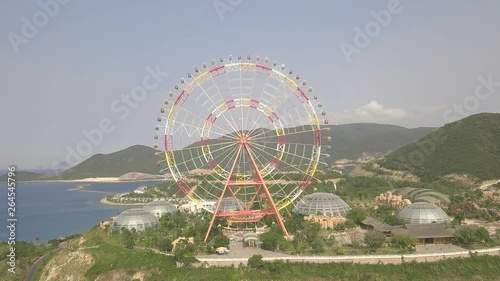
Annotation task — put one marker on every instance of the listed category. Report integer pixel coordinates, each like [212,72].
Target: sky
[65,65]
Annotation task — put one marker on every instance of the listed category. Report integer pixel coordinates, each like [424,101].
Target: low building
[251,240]
[430,233]
[425,233]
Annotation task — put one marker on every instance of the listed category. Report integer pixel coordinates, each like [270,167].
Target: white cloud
[372,112]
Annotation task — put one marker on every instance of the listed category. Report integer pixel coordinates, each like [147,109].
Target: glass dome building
[422,212]
[322,203]
[230,204]
[135,218]
[160,207]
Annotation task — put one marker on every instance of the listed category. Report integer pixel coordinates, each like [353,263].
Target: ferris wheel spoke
[286,163]
[225,132]
[272,95]
[286,153]
[306,133]
[215,106]
[235,125]
[192,158]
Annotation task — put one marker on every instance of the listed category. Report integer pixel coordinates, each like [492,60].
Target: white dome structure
[422,212]
[322,203]
[135,218]
[160,207]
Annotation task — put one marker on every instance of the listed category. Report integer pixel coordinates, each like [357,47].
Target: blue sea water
[48,210]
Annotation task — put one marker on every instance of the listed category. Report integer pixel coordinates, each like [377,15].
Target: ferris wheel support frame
[245,213]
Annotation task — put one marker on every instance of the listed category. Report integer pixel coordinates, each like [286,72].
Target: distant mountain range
[350,141]
[469,146]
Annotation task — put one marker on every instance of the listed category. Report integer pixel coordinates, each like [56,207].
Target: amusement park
[250,140]
[243,144]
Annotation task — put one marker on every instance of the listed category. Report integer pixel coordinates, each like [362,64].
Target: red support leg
[246,212]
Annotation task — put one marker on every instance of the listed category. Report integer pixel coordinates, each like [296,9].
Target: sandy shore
[106,202]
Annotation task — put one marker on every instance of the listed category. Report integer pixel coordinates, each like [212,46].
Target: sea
[47,210]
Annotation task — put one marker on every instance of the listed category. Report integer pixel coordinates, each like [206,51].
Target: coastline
[105,201]
[97,180]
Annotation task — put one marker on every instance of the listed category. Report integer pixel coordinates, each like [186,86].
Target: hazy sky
[65,76]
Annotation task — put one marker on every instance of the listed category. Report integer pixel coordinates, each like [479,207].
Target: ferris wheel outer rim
[313,164]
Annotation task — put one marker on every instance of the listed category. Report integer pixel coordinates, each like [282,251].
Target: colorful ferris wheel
[241,137]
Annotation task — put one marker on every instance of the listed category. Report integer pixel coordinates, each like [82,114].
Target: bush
[256,261]
[374,239]
[404,240]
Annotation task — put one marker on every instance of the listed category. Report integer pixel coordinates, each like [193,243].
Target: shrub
[374,239]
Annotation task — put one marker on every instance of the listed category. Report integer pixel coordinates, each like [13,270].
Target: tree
[270,240]
[221,241]
[356,214]
[164,244]
[317,246]
[459,218]
[467,236]
[404,240]
[482,235]
[374,239]
[128,238]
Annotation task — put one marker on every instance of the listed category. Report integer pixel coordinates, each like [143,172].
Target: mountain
[24,176]
[468,146]
[351,141]
[137,158]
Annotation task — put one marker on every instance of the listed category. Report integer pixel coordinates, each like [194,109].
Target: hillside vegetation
[137,158]
[350,141]
[469,146]
[100,257]
[25,176]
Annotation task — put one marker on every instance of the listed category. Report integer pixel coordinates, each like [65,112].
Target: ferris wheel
[241,137]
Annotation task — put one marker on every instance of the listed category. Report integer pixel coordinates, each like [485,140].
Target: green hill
[137,158]
[351,141]
[469,146]
[24,176]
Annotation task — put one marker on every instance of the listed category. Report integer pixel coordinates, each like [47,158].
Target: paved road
[370,259]
[30,275]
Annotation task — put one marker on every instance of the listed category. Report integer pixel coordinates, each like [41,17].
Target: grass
[110,257]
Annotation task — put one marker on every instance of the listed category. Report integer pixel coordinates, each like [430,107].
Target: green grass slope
[111,261]
[469,146]
[137,158]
